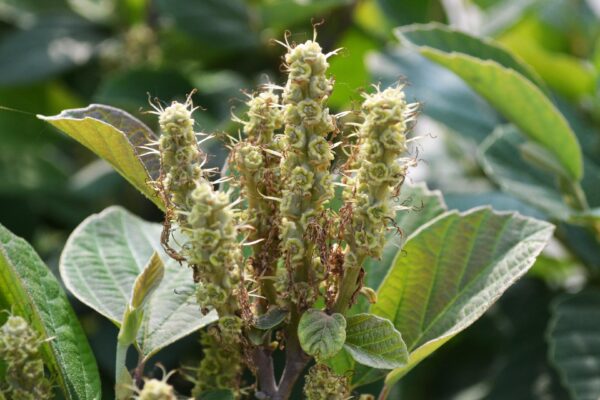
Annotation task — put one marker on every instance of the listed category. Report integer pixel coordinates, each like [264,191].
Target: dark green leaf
[574,346]
[271,318]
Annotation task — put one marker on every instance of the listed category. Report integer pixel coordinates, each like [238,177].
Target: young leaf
[28,288]
[101,262]
[451,271]
[373,341]
[321,335]
[117,137]
[574,347]
[505,84]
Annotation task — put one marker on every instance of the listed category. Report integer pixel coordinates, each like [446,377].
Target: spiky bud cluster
[323,384]
[222,363]
[180,156]
[20,350]
[155,389]
[264,118]
[308,155]
[213,250]
[380,169]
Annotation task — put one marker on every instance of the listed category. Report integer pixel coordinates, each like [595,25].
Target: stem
[295,360]
[265,371]
[123,381]
[348,286]
[385,391]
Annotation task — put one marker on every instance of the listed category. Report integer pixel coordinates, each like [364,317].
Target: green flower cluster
[20,350]
[155,389]
[307,182]
[221,366]
[180,156]
[323,384]
[381,171]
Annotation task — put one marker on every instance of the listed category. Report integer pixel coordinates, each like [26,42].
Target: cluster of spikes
[281,245]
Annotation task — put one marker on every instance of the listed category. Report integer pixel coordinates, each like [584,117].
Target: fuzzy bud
[323,384]
[155,389]
[20,350]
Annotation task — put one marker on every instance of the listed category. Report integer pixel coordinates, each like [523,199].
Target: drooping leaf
[117,137]
[451,271]
[373,341]
[504,84]
[573,336]
[100,263]
[321,335]
[28,288]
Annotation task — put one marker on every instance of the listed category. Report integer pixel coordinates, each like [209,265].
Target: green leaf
[451,271]
[226,25]
[271,318]
[100,263]
[147,281]
[55,44]
[117,137]
[424,205]
[501,156]
[321,335]
[373,341]
[28,288]
[406,12]
[574,346]
[503,83]
[282,14]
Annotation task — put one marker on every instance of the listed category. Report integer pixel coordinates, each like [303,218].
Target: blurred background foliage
[57,54]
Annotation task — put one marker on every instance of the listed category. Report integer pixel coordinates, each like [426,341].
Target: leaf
[55,44]
[282,14]
[501,157]
[100,263]
[117,137]
[424,205]
[147,281]
[373,341]
[451,271]
[503,84]
[28,288]
[321,335]
[412,11]
[225,24]
[574,346]
[271,318]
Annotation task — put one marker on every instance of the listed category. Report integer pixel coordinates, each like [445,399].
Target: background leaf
[451,271]
[373,341]
[100,263]
[28,288]
[574,346]
[115,136]
[510,92]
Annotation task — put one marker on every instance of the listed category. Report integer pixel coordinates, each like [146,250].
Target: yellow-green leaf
[117,137]
[506,84]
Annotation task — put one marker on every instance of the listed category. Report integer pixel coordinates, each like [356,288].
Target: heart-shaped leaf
[504,82]
[373,341]
[573,336]
[117,137]
[451,271]
[321,335]
[29,289]
[101,262]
